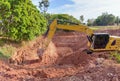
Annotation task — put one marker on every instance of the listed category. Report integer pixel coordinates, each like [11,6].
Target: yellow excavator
[96,41]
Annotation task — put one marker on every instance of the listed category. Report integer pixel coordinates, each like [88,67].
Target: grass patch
[2,56]
[6,51]
[115,56]
[94,28]
[7,47]
[104,27]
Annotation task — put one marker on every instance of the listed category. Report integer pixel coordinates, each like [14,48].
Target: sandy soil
[63,60]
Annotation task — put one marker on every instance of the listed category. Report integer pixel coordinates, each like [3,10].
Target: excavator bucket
[40,53]
[45,43]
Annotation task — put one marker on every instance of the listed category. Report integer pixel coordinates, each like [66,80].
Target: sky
[89,8]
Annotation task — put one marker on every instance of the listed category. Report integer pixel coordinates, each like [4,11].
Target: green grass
[104,27]
[7,51]
[116,56]
[2,56]
[7,48]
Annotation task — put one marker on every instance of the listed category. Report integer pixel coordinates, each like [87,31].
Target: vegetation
[104,27]
[43,5]
[20,20]
[90,22]
[6,51]
[81,18]
[117,21]
[116,56]
[62,17]
[104,20]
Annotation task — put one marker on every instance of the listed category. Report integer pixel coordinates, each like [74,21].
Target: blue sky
[88,8]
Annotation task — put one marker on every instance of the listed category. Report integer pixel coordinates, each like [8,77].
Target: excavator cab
[100,40]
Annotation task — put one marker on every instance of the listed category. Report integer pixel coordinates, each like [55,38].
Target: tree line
[104,20]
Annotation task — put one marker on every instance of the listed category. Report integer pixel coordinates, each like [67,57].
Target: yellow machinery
[97,41]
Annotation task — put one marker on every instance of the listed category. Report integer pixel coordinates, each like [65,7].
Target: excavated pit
[63,60]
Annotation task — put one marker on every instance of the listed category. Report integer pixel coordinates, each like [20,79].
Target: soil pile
[29,53]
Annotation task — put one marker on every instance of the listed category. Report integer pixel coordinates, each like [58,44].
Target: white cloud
[89,8]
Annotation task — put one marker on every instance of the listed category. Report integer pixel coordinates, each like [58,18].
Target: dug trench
[63,60]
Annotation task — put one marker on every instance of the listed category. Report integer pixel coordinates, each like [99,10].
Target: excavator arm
[80,28]
[96,41]
[76,27]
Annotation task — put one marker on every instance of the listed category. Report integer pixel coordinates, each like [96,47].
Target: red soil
[63,60]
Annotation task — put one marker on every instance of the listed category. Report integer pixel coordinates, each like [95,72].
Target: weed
[6,51]
[115,55]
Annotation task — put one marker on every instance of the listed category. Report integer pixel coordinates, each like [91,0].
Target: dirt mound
[29,54]
[50,56]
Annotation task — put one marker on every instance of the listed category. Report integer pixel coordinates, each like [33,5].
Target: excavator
[96,41]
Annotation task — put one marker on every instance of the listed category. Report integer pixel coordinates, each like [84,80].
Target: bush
[21,20]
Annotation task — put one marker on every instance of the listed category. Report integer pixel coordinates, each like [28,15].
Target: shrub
[21,20]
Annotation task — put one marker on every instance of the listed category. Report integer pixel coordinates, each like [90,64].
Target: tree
[62,17]
[43,5]
[81,18]
[117,21]
[21,19]
[4,15]
[105,19]
[90,22]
